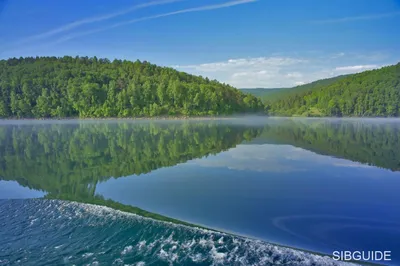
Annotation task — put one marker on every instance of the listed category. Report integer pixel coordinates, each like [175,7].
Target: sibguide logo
[362,255]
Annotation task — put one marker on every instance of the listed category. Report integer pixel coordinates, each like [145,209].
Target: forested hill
[272,94]
[262,92]
[370,93]
[89,87]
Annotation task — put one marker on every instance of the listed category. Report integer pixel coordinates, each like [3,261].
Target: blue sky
[246,43]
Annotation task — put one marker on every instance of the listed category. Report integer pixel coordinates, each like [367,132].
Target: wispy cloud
[259,63]
[357,18]
[123,23]
[282,71]
[258,158]
[90,20]
[273,158]
[356,68]
[252,72]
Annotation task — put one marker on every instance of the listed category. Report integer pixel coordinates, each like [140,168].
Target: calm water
[314,184]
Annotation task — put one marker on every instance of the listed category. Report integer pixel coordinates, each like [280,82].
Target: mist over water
[315,184]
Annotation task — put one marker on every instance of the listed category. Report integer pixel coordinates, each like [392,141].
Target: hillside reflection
[70,159]
[375,142]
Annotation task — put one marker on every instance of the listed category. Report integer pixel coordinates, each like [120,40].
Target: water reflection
[374,142]
[265,177]
[71,158]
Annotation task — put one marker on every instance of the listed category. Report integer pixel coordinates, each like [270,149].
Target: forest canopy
[272,94]
[52,87]
[45,87]
[370,93]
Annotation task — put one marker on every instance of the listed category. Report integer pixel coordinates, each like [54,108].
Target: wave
[39,231]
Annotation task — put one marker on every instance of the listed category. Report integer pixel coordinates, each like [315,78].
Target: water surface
[315,184]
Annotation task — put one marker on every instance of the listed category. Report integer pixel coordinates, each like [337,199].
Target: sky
[245,43]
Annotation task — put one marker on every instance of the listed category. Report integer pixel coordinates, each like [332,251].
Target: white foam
[119,261]
[163,254]
[188,244]
[174,257]
[196,257]
[170,240]
[127,250]
[217,256]
[87,255]
[141,244]
[151,245]
[33,221]
[206,242]
[204,245]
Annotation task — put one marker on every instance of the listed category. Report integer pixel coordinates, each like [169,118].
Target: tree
[92,87]
[370,93]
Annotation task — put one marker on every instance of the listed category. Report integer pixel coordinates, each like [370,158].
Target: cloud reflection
[273,158]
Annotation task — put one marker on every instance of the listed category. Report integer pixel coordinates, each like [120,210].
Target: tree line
[371,93]
[46,87]
[53,87]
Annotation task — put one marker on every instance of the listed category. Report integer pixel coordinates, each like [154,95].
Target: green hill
[371,93]
[261,92]
[274,94]
[89,87]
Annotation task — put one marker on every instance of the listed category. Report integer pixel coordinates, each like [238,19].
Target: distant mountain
[41,87]
[371,93]
[269,94]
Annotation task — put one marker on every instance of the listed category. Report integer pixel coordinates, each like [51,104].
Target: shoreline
[128,118]
[215,117]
